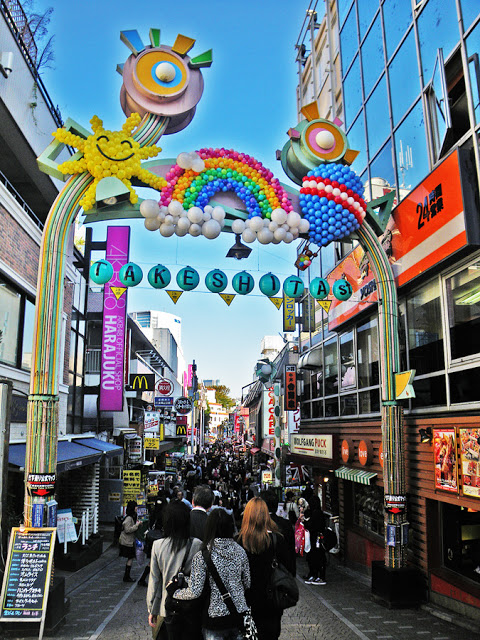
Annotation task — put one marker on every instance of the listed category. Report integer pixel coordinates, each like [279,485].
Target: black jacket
[198,519]
[288,534]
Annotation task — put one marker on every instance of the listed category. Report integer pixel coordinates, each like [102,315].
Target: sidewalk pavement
[103,607]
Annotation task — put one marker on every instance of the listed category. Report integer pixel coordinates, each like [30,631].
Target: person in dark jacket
[255,537]
[314,522]
[202,503]
[284,527]
[154,533]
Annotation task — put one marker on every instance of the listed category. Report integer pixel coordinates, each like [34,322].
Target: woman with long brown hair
[257,536]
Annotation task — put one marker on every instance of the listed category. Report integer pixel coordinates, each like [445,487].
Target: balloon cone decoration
[317,157]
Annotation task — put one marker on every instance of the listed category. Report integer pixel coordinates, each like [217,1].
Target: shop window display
[368,507]
[463,295]
[461,540]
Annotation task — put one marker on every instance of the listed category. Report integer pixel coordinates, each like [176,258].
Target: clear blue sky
[248,104]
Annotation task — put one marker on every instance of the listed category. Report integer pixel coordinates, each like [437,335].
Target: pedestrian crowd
[222,554]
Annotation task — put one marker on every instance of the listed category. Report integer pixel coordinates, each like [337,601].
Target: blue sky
[248,104]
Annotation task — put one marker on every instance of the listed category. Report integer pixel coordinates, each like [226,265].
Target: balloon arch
[200,194]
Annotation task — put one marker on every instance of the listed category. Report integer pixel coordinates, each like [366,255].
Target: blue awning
[70,455]
[110,450]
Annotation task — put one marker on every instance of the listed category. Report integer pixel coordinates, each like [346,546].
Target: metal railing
[93,360]
[11,189]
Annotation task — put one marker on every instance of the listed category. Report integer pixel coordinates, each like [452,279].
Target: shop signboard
[291,400]
[66,526]
[151,443]
[151,421]
[160,401]
[41,484]
[131,485]
[470,461]
[313,445]
[288,313]
[114,322]
[135,448]
[267,477]
[27,576]
[268,406]
[444,448]
[165,387]
[183,405]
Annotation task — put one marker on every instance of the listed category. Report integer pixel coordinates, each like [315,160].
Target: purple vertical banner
[114,323]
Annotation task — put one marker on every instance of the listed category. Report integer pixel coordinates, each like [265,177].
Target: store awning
[110,450]
[70,455]
[254,450]
[355,475]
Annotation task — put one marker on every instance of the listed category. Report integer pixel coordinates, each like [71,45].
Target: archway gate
[313,144]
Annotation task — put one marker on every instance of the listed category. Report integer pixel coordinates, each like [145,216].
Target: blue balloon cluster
[239,188]
[330,220]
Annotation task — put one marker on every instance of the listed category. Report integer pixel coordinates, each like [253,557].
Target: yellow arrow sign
[118,291]
[325,304]
[175,295]
[277,302]
[227,297]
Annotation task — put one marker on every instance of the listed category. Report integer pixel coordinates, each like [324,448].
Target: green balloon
[216,281]
[188,278]
[269,285]
[243,283]
[130,274]
[159,277]
[293,287]
[342,289]
[319,288]
[101,271]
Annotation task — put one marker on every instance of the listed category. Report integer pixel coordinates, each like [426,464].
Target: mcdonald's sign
[181,430]
[142,382]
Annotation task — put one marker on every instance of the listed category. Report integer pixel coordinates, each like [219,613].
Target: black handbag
[175,606]
[282,590]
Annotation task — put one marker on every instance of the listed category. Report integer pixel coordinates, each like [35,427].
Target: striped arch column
[393,436]
[42,411]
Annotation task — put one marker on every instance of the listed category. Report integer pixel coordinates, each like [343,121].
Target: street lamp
[238,250]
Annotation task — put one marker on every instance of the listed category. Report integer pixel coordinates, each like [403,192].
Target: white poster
[65,526]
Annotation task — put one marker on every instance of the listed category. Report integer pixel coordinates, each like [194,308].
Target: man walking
[202,501]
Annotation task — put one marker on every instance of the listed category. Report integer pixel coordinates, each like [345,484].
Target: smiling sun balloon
[110,153]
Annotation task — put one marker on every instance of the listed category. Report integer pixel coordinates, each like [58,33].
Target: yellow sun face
[110,153]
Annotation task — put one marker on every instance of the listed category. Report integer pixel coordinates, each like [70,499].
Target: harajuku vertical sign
[114,323]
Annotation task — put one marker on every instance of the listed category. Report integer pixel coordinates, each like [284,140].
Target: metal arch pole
[42,410]
[393,435]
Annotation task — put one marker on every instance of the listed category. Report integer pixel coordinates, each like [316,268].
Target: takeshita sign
[428,226]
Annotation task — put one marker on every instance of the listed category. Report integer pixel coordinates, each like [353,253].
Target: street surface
[102,607]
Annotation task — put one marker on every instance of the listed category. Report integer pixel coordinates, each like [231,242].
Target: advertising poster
[470,461]
[444,447]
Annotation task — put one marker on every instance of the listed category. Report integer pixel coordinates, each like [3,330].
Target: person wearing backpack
[168,554]
[256,537]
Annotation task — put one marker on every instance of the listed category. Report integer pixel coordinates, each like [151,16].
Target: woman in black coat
[256,537]
[314,522]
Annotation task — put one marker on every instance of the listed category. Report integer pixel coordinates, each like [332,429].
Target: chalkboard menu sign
[27,575]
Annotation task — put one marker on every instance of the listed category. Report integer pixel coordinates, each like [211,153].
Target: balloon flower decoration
[317,157]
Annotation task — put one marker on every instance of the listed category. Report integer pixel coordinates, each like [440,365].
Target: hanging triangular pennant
[277,302]
[175,295]
[325,304]
[118,291]
[227,297]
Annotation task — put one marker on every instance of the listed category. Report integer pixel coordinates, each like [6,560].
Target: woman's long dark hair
[219,525]
[130,510]
[176,524]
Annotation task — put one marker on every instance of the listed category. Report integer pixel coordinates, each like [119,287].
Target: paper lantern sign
[159,276]
[319,288]
[101,271]
[293,287]
[342,289]
[269,285]
[216,281]
[243,283]
[130,274]
[188,278]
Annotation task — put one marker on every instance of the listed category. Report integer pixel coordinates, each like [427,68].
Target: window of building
[28,327]
[342,8]
[473,51]
[411,150]
[464,386]
[470,11]
[369,401]
[372,56]
[442,14]
[463,304]
[348,405]
[378,120]
[357,141]
[10,309]
[366,11]
[347,361]
[353,89]
[349,39]
[367,354]
[461,540]
[382,172]
[404,84]
[425,331]
[429,392]
[331,367]
[368,511]
[397,17]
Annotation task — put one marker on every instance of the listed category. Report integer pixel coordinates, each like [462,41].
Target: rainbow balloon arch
[161,88]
